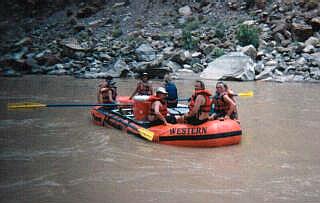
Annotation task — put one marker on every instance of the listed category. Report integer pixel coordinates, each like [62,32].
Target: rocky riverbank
[93,39]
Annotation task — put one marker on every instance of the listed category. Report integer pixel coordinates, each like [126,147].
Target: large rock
[250,51]
[185,11]
[145,52]
[233,66]
[301,31]
[315,22]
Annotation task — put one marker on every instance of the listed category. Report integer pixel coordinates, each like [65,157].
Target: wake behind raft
[129,118]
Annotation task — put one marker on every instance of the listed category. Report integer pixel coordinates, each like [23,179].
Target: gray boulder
[233,66]
[145,52]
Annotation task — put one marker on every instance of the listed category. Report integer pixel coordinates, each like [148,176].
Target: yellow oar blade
[146,133]
[246,94]
[25,105]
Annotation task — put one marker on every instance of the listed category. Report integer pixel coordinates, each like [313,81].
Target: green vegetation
[220,30]
[217,52]
[248,34]
[191,25]
[116,32]
[188,41]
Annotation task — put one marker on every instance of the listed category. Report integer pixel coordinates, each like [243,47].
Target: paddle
[145,133]
[40,105]
[240,94]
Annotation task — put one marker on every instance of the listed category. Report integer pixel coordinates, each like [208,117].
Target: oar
[240,94]
[245,94]
[144,132]
[40,105]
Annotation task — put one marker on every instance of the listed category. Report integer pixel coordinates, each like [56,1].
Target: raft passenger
[199,105]
[172,98]
[158,112]
[224,105]
[144,87]
[107,93]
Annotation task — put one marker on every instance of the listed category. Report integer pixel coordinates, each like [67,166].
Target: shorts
[170,119]
[233,116]
[194,120]
[111,107]
[172,103]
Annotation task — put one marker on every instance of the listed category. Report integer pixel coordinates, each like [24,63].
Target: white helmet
[161,90]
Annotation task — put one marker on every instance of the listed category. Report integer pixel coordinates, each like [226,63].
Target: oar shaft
[79,105]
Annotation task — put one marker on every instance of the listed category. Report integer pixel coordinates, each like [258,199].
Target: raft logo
[188,131]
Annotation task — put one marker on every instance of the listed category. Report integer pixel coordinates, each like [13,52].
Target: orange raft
[210,134]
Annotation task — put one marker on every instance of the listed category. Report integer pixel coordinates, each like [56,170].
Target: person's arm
[199,101]
[231,92]
[151,89]
[231,104]
[98,94]
[157,112]
[135,91]
[110,95]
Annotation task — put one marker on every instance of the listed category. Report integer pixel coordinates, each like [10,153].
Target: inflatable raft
[128,118]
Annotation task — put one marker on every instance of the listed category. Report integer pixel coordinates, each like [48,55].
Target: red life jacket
[144,88]
[219,104]
[105,94]
[163,108]
[205,107]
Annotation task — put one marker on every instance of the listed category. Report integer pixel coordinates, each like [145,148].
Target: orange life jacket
[219,104]
[144,88]
[105,95]
[205,107]
[163,108]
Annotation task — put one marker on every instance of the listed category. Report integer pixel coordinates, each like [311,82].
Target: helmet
[161,90]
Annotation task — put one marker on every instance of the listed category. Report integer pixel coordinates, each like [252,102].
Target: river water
[58,155]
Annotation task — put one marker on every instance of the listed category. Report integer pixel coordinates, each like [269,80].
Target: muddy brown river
[58,155]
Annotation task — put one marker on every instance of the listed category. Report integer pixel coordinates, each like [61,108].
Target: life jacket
[163,108]
[105,94]
[144,88]
[172,91]
[219,104]
[205,107]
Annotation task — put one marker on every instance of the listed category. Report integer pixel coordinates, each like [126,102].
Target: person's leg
[156,122]
[171,119]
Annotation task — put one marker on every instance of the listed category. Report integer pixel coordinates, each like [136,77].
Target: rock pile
[101,38]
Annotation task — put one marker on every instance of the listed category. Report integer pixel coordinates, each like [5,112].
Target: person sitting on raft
[158,112]
[172,98]
[107,93]
[144,87]
[224,105]
[199,105]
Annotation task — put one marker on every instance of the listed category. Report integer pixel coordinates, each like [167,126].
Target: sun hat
[161,90]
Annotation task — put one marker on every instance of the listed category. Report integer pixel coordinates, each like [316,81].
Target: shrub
[217,52]
[220,30]
[188,41]
[116,32]
[191,25]
[248,34]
